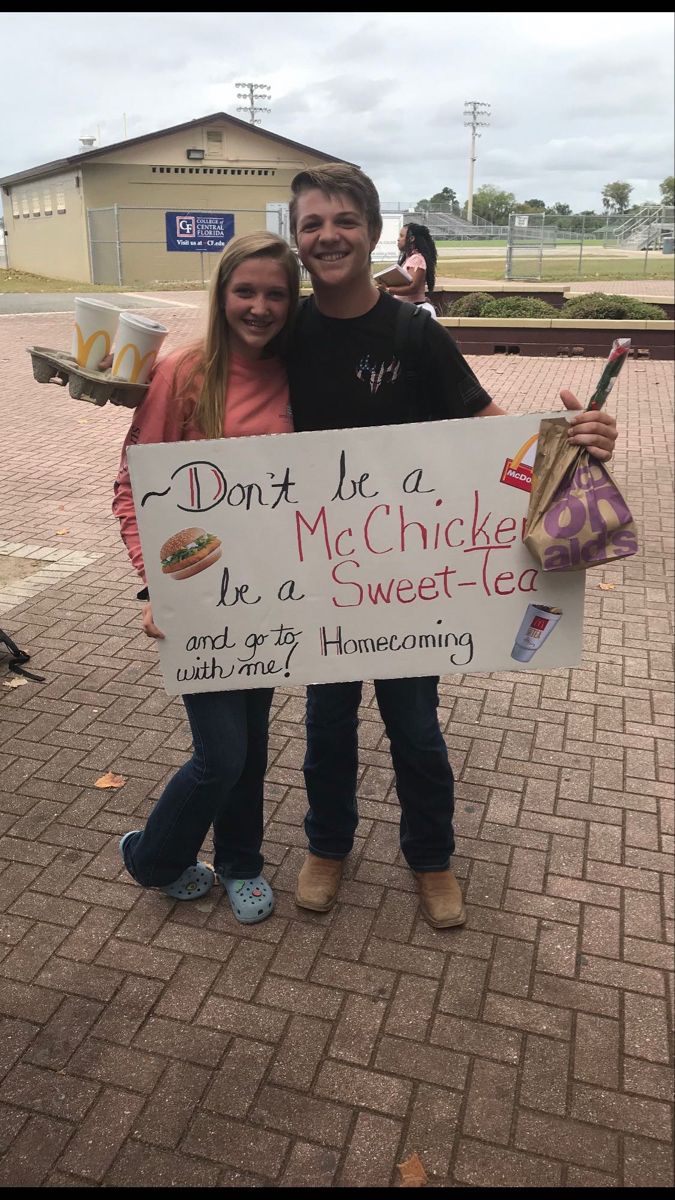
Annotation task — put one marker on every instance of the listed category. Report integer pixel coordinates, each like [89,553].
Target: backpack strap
[409,336]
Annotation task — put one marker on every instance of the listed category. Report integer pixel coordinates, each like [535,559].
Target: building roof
[75,160]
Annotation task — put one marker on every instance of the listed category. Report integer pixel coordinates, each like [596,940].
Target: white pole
[472,159]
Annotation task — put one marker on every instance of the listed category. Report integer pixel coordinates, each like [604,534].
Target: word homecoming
[471,548]
[334,642]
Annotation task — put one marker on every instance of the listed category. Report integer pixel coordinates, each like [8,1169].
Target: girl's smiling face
[257,301]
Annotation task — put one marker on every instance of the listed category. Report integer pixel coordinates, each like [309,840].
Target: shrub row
[590,306]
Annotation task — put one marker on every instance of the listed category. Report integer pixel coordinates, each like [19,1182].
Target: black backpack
[17,657]
[409,336]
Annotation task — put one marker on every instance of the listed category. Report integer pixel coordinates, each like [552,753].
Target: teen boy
[344,374]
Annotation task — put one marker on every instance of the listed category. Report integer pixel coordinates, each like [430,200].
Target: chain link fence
[128,245]
[525,245]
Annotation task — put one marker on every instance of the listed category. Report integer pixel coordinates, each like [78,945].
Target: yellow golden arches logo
[84,346]
[138,361]
[517,471]
[522,453]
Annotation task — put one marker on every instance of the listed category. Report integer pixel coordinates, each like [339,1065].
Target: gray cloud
[578,100]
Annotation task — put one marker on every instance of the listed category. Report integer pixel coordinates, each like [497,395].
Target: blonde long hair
[203,368]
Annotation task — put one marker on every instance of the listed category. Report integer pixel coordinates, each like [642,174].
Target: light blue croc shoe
[251,899]
[195,881]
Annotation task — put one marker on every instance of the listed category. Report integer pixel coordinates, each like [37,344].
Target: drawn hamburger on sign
[188,552]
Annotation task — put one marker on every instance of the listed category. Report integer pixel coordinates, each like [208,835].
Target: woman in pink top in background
[231,384]
[418,255]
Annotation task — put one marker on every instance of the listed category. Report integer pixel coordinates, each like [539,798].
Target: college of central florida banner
[208,231]
[349,554]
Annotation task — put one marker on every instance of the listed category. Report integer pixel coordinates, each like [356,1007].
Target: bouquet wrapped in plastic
[577,517]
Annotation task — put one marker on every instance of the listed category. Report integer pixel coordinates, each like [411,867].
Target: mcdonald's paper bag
[577,517]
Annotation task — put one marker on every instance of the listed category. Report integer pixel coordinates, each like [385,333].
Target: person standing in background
[418,256]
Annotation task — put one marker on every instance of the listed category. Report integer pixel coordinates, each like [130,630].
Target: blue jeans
[424,780]
[221,786]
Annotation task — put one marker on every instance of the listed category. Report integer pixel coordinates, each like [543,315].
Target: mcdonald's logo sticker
[518,470]
[140,364]
[85,353]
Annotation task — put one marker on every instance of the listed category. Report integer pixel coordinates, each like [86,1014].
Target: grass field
[485,244]
[555,270]
[23,281]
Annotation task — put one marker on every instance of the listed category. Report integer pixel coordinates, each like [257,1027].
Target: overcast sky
[577,100]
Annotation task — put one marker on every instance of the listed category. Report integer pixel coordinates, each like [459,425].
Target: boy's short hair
[336,179]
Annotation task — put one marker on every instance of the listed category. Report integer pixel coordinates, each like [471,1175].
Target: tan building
[110,214]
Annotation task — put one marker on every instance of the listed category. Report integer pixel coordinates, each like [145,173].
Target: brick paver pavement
[162,1044]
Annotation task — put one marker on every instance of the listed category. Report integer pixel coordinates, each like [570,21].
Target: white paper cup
[93,332]
[136,347]
[539,621]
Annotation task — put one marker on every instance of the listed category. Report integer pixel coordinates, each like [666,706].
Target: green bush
[519,306]
[597,306]
[469,306]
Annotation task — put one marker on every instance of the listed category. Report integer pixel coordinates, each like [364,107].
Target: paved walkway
[157,1044]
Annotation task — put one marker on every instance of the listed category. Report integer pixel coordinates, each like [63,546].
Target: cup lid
[142,322]
[91,300]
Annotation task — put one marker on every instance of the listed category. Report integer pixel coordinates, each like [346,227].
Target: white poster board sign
[387,249]
[349,554]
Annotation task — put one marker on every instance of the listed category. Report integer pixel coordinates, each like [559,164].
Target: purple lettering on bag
[579,499]
[566,516]
[601,488]
[624,542]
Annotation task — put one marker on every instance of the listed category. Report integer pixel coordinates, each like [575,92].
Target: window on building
[214,143]
[25,206]
[37,211]
[48,204]
[16,211]
[60,202]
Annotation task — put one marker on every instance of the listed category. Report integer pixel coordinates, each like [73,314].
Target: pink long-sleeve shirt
[257,402]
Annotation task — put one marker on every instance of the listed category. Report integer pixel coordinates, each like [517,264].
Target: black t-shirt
[343,372]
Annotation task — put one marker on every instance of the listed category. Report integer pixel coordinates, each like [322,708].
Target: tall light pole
[475,115]
[254,91]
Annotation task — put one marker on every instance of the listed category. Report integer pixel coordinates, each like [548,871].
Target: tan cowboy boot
[440,898]
[318,883]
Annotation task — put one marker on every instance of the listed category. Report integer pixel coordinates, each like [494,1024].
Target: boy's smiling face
[333,239]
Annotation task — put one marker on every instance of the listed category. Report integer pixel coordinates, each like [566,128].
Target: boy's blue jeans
[221,786]
[424,780]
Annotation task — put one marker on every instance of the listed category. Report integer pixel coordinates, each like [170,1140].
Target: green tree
[563,210]
[531,206]
[493,205]
[616,196]
[667,189]
[443,201]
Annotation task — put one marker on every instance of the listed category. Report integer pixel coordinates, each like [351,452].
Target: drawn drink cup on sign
[137,345]
[93,331]
[537,624]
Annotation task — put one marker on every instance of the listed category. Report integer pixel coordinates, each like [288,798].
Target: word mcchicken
[576,519]
[387,529]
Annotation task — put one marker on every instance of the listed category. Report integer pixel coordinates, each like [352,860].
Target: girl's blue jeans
[221,786]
